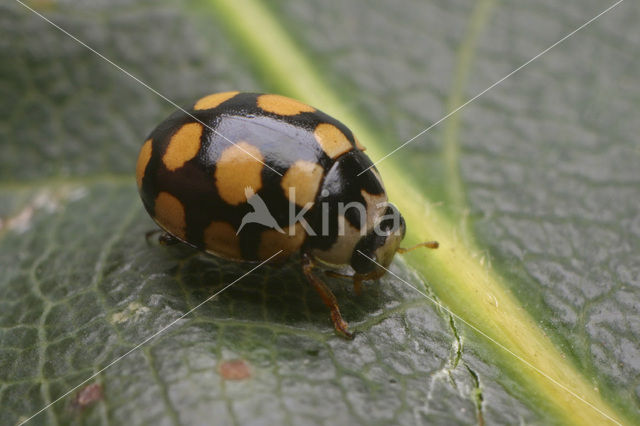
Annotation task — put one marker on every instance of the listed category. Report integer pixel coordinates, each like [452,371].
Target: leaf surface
[532,191]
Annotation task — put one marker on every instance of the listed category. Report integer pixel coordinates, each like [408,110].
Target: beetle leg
[357,284]
[357,281]
[357,278]
[150,234]
[335,274]
[327,297]
[429,244]
[164,238]
[168,240]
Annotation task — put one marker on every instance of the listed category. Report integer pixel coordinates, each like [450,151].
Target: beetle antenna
[428,244]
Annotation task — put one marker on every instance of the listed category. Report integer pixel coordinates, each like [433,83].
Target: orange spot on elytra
[213,100]
[183,146]
[169,213]
[239,167]
[143,160]
[272,241]
[282,105]
[333,142]
[220,239]
[304,177]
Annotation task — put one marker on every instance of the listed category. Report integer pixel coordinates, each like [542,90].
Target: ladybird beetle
[246,176]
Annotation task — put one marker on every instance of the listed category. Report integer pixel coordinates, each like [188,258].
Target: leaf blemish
[87,396]
[45,200]
[235,369]
[132,311]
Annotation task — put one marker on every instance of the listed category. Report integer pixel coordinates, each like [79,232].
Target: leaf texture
[532,189]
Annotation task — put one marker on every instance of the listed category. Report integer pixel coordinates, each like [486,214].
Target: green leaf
[531,190]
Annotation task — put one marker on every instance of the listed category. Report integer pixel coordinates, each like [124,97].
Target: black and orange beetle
[244,176]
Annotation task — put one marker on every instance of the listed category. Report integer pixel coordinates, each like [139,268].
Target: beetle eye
[366,247]
[360,263]
[387,225]
[392,221]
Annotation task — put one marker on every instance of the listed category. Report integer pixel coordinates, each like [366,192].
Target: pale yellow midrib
[456,196]
[469,289]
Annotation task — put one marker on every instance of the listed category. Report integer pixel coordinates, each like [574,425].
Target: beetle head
[380,244]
